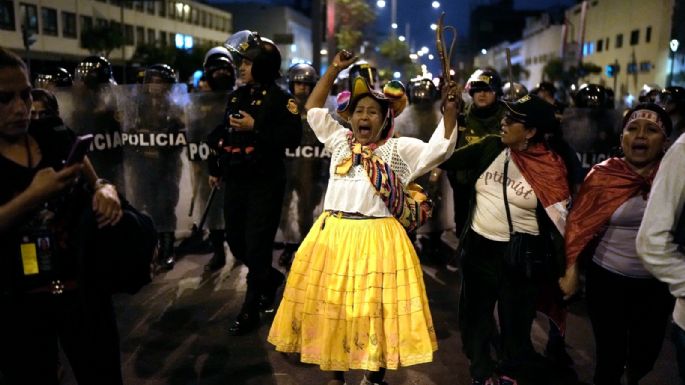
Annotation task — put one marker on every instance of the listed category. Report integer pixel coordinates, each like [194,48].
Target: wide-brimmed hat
[532,112]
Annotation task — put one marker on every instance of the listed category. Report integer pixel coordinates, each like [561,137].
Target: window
[140,35]
[606,44]
[162,9]
[632,68]
[138,5]
[151,36]
[128,34]
[86,23]
[171,10]
[101,22]
[645,66]
[600,45]
[30,13]
[150,6]
[634,37]
[203,18]
[619,40]
[162,38]
[68,24]
[49,16]
[7,16]
[193,16]
[648,34]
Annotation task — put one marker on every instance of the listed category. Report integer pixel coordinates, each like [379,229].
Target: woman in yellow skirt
[355,297]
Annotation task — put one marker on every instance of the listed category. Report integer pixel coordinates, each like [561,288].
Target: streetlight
[434,26]
[393,25]
[401,38]
[674,47]
[380,3]
[484,51]
[436,4]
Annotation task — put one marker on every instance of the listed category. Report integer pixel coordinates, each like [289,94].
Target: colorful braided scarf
[410,206]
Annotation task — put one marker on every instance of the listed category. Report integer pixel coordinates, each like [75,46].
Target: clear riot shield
[153,139]
[418,121]
[593,134]
[204,112]
[307,168]
[97,112]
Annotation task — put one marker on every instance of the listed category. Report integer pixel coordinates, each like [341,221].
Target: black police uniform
[251,164]
[46,291]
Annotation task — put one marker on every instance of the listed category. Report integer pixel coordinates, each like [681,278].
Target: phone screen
[79,149]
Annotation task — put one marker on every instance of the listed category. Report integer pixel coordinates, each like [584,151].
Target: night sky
[419,14]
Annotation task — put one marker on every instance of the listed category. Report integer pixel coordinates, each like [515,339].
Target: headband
[648,115]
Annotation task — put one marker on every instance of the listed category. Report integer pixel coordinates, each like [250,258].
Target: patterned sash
[410,206]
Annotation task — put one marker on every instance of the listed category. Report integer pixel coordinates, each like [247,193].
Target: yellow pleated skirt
[355,298]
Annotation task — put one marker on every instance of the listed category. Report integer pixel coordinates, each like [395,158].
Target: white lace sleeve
[324,126]
[422,157]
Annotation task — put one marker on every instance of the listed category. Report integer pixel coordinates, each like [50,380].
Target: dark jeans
[629,318]
[487,281]
[252,210]
[679,341]
[84,325]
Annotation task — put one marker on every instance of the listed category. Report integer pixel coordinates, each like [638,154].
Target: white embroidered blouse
[408,157]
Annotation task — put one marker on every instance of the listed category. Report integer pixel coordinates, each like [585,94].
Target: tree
[351,18]
[553,70]
[397,53]
[102,39]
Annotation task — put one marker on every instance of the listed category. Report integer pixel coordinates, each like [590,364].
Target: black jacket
[277,126]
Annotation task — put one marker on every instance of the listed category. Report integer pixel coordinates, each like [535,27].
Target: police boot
[268,296]
[218,260]
[166,258]
[248,319]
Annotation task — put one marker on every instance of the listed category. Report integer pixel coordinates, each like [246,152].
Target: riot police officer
[94,71]
[95,112]
[156,163]
[261,121]
[220,75]
[306,167]
[56,77]
[219,70]
[672,99]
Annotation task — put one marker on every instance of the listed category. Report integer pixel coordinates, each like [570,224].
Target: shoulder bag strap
[505,180]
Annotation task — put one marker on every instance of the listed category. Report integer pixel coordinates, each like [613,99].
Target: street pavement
[174,331]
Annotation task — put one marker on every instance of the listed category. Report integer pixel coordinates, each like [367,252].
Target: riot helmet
[54,77]
[219,70]
[510,96]
[163,72]
[484,80]
[301,73]
[262,52]
[94,71]
[672,99]
[422,91]
[648,93]
[365,70]
[590,96]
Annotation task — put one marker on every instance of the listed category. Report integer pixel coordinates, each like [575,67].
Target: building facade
[57,25]
[631,35]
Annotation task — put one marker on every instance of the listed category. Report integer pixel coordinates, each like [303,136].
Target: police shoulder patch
[292,107]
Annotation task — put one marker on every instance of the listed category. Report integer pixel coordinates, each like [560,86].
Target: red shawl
[606,187]
[545,171]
